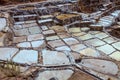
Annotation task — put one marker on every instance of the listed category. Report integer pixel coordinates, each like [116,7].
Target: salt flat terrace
[59,42]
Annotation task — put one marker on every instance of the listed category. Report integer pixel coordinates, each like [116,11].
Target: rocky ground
[35,44]
[9,2]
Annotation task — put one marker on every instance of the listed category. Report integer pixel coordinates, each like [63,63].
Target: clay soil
[115,32]
[79,75]
[66,16]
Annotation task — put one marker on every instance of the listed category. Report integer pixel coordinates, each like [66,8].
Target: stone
[35,37]
[71,41]
[89,52]
[49,32]
[95,42]
[34,30]
[101,35]
[19,39]
[54,58]
[107,49]
[74,30]
[78,47]
[7,53]
[3,23]
[103,66]
[56,43]
[26,57]
[116,45]
[85,29]
[115,55]
[110,40]
[21,32]
[50,38]
[63,48]
[38,44]
[24,45]
[57,74]
[86,37]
